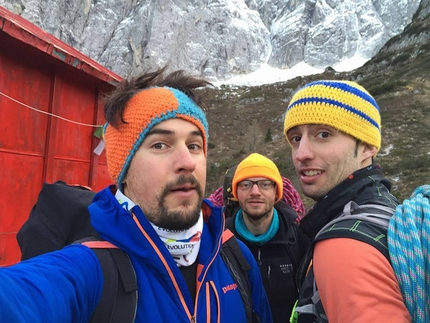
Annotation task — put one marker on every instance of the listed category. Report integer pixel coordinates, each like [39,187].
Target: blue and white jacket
[66,285]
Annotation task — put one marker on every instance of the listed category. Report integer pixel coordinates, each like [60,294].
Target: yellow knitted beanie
[256,165]
[343,105]
[142,112]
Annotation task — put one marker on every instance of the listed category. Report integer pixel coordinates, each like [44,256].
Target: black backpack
[60,217]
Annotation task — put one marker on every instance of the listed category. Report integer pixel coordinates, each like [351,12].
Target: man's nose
[304,150]
[255,190]
[183,159]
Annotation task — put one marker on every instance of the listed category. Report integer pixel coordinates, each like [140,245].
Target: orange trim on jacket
[163,260]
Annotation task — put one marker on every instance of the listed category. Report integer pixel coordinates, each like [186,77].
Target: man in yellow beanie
[267,226]
[334,129]
[156,143]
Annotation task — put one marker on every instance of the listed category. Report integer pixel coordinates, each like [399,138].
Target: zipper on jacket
[193,318]
[259,257]
[166,266]
[211,287]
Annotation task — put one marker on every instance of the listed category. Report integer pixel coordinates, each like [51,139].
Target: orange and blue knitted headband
[142,112]
[343,105]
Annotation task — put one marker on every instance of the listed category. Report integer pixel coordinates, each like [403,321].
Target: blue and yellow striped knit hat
[343,105]
[142,112]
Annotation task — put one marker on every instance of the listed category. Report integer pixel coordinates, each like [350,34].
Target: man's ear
[367,151]
[124,187]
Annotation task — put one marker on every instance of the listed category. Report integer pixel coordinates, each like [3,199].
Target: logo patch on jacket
[286,268]
[229,288]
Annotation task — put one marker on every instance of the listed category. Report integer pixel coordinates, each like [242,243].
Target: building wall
[36,147]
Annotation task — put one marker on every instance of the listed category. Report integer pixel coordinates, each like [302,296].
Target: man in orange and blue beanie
[156,144]
[334,129]
[267,226]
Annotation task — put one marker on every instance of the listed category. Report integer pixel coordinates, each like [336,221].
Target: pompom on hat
[256,165]
[142,112]
[343,105]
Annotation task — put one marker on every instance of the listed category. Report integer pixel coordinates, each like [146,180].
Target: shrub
[268,137]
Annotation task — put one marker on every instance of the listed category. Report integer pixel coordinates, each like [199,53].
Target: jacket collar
[116,225]
[286,215]
[363,186]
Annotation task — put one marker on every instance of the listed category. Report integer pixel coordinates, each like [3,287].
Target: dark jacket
[278,260]
[365,186]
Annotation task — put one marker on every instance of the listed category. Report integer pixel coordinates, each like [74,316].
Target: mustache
[181,180]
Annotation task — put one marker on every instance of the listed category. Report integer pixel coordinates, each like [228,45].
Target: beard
[256,217]
[178,220]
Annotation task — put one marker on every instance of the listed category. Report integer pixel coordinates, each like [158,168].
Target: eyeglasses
[263,184]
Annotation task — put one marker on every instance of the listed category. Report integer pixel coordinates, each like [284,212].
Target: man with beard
[334,129]
[267,226]
[156,144]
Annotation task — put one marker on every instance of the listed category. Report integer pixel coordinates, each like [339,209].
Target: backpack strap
[238,267]
[118,302]
[294,248]
[294,251]
[367,223]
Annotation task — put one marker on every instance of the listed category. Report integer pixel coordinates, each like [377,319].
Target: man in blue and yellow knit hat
[334,129]
[156,146]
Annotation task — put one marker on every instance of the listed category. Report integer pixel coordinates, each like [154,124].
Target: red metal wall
[36,147]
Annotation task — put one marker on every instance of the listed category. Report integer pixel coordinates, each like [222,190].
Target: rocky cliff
[219,39]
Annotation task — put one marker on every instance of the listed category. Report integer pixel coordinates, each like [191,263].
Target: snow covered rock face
[219,39]
[324,32]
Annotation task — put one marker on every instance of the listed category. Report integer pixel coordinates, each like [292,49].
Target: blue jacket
[65,286]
